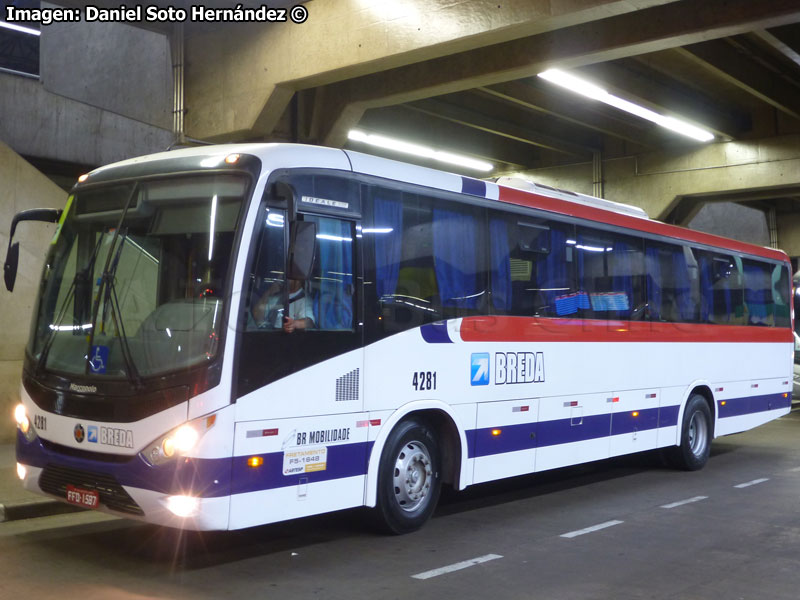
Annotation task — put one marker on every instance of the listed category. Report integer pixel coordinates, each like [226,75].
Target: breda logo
[79,433]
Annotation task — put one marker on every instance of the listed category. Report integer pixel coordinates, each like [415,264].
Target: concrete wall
[22,187]
[733,220]
[35,122]
[112,66]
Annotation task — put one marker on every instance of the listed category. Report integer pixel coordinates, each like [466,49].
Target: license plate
[81,497]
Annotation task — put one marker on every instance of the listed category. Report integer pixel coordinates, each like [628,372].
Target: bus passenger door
[634,421]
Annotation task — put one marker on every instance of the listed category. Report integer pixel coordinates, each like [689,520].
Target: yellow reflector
[723,403]
[786,395]
[496,432]
[210,421]
[232,159]
[635,413]
[255,461]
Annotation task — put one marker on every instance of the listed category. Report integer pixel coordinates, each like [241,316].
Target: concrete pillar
[23,187]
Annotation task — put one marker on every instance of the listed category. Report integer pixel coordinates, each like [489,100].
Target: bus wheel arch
[696,430]
[409,476]
[450,442]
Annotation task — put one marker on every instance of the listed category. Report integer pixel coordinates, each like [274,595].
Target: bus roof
[506,190]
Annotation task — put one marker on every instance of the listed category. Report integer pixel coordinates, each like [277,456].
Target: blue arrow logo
[479,371]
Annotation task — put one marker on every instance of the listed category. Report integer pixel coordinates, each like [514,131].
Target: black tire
[693,452]
[406,502]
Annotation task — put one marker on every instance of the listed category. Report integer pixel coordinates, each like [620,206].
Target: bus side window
[268,274]
[458,259]
[781,291]
[610,273]
[672,283]
[720,288]
[531,265]
[758,293]
[332,285]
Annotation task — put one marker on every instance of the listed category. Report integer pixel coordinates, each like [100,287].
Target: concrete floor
[728,542]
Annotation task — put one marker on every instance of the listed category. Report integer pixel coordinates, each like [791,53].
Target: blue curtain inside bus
[455,251]
[334,302]
[501,264]
[758,294]
[554,270]
[682,283]
[654,279]
[388,228]
[621,279]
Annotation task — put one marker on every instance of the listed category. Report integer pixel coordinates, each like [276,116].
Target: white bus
[235,335]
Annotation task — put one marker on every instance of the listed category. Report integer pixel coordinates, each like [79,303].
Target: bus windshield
[136,276]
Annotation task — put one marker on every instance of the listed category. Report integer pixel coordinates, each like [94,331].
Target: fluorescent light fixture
[20,28]
[422,151]
[590,90]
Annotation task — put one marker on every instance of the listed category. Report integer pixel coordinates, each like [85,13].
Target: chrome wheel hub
[413,474]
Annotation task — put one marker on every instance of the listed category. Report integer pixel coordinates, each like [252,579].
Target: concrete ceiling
[732,66]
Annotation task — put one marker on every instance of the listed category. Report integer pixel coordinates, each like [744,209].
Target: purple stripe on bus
[345,460]
[435,333]
[211,478]
[474,187]
[753,404]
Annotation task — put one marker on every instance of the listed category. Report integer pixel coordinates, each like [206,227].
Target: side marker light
[496,432]
[255,461]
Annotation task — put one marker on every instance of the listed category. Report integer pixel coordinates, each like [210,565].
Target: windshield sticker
[305,460]
[99,360]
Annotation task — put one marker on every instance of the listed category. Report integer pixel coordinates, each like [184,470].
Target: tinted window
[672,283]
[610,270]
[766,294]
[532,266]
[720,288]
[428,257]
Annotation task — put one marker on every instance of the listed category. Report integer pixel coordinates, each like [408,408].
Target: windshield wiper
[107,286]
[111,302]
[83,275]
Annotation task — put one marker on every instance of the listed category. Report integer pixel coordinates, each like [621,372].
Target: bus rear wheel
[409,479]
[693,451]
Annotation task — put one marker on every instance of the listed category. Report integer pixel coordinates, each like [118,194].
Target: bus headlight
[179,441]
[23,422]
[183,506]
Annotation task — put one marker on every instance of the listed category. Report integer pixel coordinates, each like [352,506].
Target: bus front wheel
[409,479]
[693,451]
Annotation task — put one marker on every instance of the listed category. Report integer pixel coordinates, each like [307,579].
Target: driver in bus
[268,310]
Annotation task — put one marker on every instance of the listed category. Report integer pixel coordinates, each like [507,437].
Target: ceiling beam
[736,66]
[405,123]
[668,26]
[577,112]
[665,96]
[507,127]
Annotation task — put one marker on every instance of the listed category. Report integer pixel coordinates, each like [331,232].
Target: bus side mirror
[10,266]
[46,215]
[303,237]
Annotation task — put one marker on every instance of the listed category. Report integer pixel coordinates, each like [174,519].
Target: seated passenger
[268,311]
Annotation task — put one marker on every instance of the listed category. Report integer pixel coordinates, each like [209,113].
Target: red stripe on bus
[535,329]
[574,209]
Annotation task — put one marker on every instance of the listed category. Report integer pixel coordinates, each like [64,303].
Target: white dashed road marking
[591,529]
[749,483]
[457,566]
[682,502]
